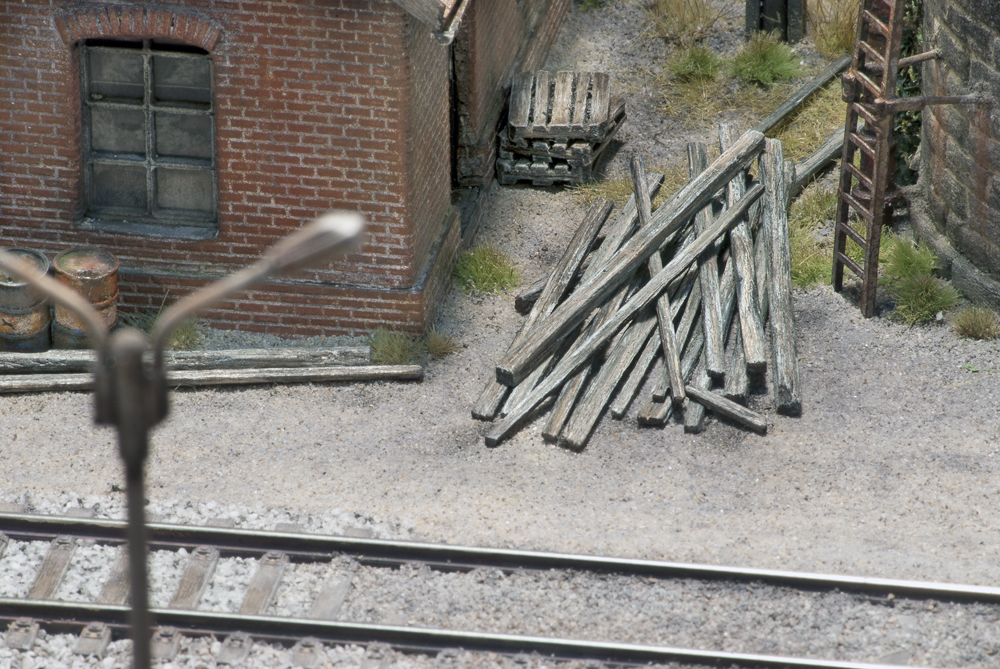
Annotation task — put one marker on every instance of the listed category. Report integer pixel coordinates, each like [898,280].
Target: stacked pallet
[690,294]
[558,126]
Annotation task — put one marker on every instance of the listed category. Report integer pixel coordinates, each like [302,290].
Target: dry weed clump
[833,24]
[805,130]
[977,322]
[683,22]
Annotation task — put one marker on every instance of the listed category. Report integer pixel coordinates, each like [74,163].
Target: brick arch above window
[137,21]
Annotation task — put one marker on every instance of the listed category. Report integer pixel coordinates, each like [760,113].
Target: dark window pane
[190,190]
[119,186]
[176,47]
[183,135]
[115,74]
[118,130]
[181,79]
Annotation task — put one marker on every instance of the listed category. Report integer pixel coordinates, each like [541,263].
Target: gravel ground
[891,471]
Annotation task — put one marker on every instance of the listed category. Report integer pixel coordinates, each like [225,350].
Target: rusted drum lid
[91,272]
[16,294]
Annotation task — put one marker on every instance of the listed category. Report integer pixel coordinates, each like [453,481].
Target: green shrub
[485,269]
[977,323]
[696,63]
[394,348]
[765,60]
[918,294]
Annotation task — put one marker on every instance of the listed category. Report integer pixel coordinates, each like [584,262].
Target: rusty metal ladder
[867,189]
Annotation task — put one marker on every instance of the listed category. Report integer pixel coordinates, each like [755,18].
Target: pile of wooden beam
[696,294]
[558,126]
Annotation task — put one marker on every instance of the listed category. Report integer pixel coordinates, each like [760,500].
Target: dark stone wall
[960,157]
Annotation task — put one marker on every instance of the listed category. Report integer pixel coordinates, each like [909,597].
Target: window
[148,138]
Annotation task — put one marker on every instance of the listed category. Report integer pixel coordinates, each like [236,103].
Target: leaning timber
[494,393]
[521,359]
[786,372]
[729,409]
[791,104]
[33,383]
[708,276]
[70,362]
[664,312]
[662,281]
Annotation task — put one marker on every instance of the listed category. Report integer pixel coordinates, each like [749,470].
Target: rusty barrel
[93,273]
[24,313]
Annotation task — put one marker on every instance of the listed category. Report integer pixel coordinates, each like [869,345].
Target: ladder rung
[868,83]
[872,53]
[863,178]
[849,264]
[856,140]
[862,111]
[854,235]
[856,206]
[872,21]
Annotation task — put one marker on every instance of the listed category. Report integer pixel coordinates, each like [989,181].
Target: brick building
[960,145]
[187,136]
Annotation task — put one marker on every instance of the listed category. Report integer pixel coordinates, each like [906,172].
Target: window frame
[156,221]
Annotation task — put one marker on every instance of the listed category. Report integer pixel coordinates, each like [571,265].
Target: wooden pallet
[540,171]
[574,151]
[561,105]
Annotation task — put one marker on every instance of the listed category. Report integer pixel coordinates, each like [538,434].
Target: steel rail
[74,615]
[305,547]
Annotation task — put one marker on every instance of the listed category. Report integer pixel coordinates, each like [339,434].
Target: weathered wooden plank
[54,566]
[667,219]
[540,105]
[195,578]
[116,587]
[588,410]
[600,99]
[68,362]
[692,311]
[36,383]
[649,292]
[562,102]
[752,24]
[264,584]
[694,412]
[810,166]
[737,380]
[520,100]
[649,355]
[655,413]
[494,392]
[574,386]
[664,313]
[791,104]
[729,409]
[617,233]
[796,18]
[708,275]
[583,81]
[331,598]
[741,247]
[786,373]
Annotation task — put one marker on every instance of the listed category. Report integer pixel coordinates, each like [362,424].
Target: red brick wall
[320,104]
[497,39]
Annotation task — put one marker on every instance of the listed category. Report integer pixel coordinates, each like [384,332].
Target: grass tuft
[976,322]
[683,22]
[812,258]
[764,59]
[696,64]
[394,348]
[619,188]
[438,345]
[833,24]
[919,295]
[186,337]
[805,130]
[485,269]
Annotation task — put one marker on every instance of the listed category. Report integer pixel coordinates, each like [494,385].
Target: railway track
[308,592]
